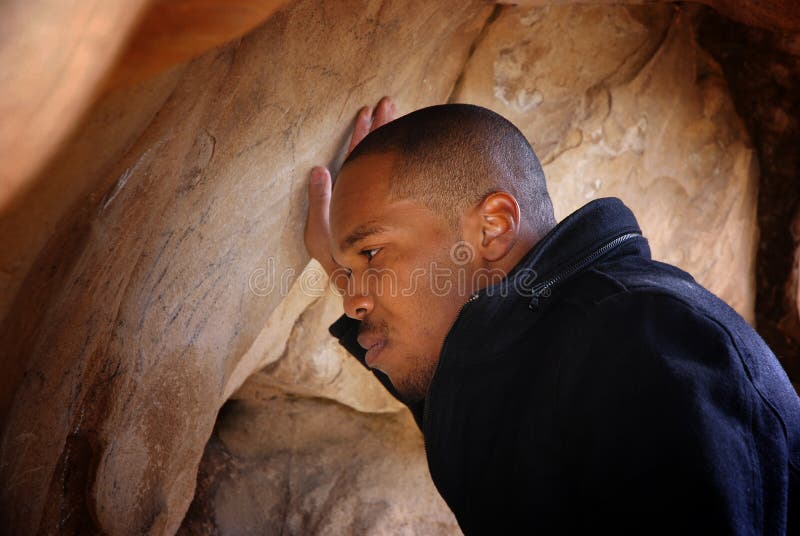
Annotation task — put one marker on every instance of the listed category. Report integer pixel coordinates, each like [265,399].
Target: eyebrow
[360,233]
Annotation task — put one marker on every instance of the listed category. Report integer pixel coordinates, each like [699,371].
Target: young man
[563,380]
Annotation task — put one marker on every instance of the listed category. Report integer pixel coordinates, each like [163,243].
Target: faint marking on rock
[126,175]
[513,84]
[197,160]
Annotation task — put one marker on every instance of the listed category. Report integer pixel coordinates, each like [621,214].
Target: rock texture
[307,466]
[621,101]
[763,71]
[151,310]
[312,443]
[769,14]
[54,55]
[303,360]
[57,57]
[174,31]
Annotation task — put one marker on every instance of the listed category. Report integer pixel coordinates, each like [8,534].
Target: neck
[519,250]
[526,240]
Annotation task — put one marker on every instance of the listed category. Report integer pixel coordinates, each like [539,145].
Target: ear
[499,221]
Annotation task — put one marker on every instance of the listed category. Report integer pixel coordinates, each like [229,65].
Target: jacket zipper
[537,291]
[543,289]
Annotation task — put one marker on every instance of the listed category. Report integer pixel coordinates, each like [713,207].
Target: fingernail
[317,175]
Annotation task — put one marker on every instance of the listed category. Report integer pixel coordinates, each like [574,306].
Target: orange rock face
[147,315]
[646,116]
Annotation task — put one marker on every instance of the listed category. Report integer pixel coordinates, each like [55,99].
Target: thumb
[319,191]
[317,232]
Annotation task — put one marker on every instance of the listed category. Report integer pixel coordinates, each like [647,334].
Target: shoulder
[647,302]
[651,350]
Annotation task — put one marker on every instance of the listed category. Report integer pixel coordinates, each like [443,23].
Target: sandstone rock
[306,466]
[302,359]
[174,31]
[129,364]
[58,56]
[763,72]
[620,101]
[312,443]
[769,14]
[54,56]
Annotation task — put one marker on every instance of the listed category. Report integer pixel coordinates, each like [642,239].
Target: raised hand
[317,233]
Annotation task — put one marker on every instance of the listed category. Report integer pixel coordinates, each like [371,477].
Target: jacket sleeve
[345,329]
[657,423]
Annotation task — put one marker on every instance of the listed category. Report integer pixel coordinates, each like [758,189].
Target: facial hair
[413,387]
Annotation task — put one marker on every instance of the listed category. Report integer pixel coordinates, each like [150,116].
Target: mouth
[374,345]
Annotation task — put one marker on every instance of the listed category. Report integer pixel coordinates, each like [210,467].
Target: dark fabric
[622,397]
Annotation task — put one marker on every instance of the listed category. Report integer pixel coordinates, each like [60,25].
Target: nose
[357,304]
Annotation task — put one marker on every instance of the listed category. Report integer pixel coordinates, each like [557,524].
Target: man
[563,380]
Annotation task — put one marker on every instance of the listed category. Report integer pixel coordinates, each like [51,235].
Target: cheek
[424,314]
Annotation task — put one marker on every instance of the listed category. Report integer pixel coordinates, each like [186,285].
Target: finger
[319,197]
[361,128]
[317,232]
[384,112]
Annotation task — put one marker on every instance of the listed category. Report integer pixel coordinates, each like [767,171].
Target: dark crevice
[498,8]
[764,81]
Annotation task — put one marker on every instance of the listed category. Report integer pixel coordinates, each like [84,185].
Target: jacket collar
[592,230]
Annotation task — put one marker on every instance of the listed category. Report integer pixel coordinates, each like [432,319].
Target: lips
[373,344]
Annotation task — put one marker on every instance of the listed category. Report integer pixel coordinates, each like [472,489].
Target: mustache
[367,326]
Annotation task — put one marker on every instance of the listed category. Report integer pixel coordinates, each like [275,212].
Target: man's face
[403,283]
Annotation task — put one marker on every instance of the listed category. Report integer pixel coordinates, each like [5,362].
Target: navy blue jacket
[597,389]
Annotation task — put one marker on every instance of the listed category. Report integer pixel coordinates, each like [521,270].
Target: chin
[412,386]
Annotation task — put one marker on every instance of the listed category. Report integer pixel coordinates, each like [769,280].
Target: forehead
[361,199]
[361,188]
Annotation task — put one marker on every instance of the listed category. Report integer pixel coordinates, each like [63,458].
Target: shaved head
[451,156]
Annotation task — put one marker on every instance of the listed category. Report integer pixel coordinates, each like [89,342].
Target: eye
[370,253]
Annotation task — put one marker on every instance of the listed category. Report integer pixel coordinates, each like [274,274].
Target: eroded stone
[301,466]
[620,101]
[136,348]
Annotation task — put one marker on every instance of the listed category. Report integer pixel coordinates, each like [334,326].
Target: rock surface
[303,360]
[769,14]
[620,101]
[54,56]
[312,443]
[151,311]
[307,466]
[763,71]
[171,32]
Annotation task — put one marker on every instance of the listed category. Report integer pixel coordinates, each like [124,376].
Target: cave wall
[312,444]
[150,312]
[621,101]
[763,71]
[134,302]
